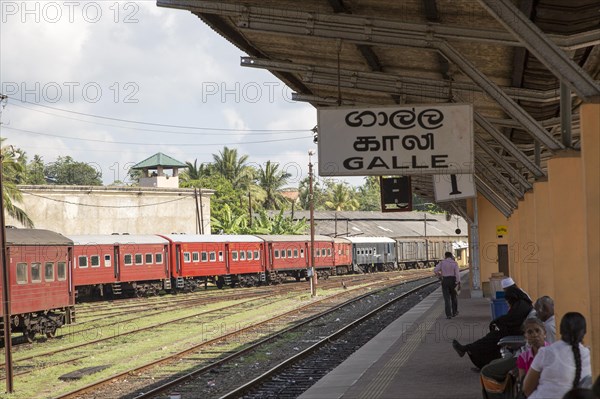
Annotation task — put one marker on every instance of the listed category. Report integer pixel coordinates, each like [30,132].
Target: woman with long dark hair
[561,366]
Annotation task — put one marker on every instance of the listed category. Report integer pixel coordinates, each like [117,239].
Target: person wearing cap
[509,282]
[447,269]
[486,349]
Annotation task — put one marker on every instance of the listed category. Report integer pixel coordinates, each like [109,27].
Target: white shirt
[550,329]
[557,367]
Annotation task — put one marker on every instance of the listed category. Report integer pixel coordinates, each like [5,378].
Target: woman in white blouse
[560,367]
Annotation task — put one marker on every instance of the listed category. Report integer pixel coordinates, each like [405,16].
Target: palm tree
[12,172]
[233,168]
[341,198]
[194,172]
[272,180]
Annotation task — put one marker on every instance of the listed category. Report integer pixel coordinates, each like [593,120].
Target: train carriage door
[227,260]
[117,262]
[70,271]
[178,258]
[166,260]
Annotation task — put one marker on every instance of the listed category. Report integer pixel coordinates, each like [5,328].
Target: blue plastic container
[499,308]
[500,294]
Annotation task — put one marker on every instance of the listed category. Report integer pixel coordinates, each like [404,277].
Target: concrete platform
[413,357]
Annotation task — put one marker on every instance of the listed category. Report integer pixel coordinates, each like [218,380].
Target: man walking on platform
[448,271]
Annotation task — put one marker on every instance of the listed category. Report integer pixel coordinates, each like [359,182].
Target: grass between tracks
[125,352]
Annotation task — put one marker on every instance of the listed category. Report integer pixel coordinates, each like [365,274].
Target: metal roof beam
[493,197]
[546,51]
[479,141]
[271,19]
[485,169]
[508,104]
[442,87]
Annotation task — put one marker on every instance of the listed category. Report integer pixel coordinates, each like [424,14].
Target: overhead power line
[154,124]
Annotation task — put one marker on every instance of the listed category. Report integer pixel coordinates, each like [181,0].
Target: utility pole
[5,278]
[312,271]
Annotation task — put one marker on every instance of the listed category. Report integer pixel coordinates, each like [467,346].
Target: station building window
[82,261]
[158,258]
[36,272]
[128,260]
[149,258]
[95,261]
[61,271]
[22,273]
[49,271]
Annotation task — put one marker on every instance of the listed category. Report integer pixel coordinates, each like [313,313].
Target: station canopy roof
[507,58]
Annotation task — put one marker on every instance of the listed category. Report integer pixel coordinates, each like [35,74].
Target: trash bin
[499,307]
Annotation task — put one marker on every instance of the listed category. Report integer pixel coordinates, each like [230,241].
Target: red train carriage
[342,259]
[40,281]
[289,255]
[112,265]
[220,259]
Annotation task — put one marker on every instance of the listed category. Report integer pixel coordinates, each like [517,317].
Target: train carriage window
[61,271]
[195,256]
[36,272]
[149,258]
[22,273]
[302,253]
[158,258]
[220,256]
[128,260]
[49,271]
[256,255]
[323,252]
[213,256]
[295,253]
[204,256]
[249,255]
[187,257]
[328,251]
[276,254]
[289,253]
[107,261]
[283,253]
[242,255]
[139,259]
[234,255]
[95,261]
[82,261]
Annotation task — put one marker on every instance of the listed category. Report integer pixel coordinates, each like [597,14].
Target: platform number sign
[453,187]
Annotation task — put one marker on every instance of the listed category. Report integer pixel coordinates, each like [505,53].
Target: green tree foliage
[341,198]
[234,168]
[13,172]
[66,171]
[369,195]
[278,224]
[320,188]
[35,171]
[194,172]
[272,180]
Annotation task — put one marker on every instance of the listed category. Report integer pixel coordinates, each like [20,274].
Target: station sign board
[453,187]
[396,140]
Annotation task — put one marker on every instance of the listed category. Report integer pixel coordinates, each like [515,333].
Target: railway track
[228,350]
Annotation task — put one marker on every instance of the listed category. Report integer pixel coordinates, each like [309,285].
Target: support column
[544,224]
[590,155]
[569,220]
[514,237]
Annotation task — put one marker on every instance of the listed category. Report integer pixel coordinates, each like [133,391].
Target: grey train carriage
[370,254]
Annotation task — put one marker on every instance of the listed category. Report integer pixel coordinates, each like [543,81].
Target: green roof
[159,159]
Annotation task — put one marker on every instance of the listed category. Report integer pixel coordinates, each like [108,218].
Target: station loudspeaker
[396,194]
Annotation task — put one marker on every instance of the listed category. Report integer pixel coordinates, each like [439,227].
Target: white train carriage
[371,254]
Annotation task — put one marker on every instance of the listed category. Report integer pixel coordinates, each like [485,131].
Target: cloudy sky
[84,69]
